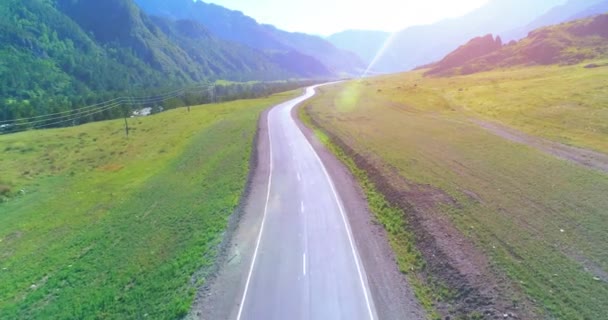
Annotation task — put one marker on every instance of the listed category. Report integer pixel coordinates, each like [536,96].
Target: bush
[5,190]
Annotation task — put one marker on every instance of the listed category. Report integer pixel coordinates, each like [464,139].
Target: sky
[325,17]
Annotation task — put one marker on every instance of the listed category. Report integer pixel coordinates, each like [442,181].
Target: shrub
[5,190]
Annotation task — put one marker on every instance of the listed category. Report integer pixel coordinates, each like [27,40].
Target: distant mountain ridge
[420,45]
[236,27]
[567,43]
[571,10]
[598,8]
[364,43]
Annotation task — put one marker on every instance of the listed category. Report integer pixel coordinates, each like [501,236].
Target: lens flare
[381,51]
[349,96]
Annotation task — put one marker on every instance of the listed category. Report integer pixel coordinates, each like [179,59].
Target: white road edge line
[304,263]
[350,238]
[302,207]
[257,245]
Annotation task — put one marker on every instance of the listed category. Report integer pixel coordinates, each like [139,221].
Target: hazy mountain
[420,45]
[76,47]
[571,10]
[364,43]
[597,8]
[198,41]
[237,27]
[475,48]
[566,43]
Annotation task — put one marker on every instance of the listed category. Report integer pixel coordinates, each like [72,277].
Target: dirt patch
[584,157]
[111,167]
[13,236]
[5,190]
[454,265]
[589,266]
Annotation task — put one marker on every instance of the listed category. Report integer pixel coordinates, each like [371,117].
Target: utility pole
[183,96]
[131,105]
[126,128]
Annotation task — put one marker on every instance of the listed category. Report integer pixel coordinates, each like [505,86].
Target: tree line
[62,111]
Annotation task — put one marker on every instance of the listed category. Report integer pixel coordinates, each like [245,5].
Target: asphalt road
[305,264]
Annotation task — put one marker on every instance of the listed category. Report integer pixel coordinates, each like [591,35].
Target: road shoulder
[220,296]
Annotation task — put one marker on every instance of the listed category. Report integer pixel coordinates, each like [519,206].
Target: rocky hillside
[564,44]
[477,47]
[423,44]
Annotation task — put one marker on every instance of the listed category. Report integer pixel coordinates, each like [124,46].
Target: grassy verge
[401,238]
[95,225]
[540,220]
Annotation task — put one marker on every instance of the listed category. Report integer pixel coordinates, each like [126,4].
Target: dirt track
[584,157]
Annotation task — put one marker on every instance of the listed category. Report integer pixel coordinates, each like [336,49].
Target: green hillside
[106,46]
[95,225]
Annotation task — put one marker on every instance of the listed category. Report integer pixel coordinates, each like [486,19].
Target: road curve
[305,264]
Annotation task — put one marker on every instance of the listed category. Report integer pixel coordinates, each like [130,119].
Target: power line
[63,112]
[141,100]
[76,116]
[40,122]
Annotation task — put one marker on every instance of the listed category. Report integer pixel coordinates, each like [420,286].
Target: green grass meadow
[566,104]
[94,225]
[542,221]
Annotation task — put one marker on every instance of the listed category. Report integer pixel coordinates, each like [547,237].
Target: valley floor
[485,172]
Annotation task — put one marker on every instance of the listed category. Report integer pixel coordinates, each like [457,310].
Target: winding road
[305,263]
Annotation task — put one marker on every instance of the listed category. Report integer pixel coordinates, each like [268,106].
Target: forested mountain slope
[77,46]
[236,27]
[68,53]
